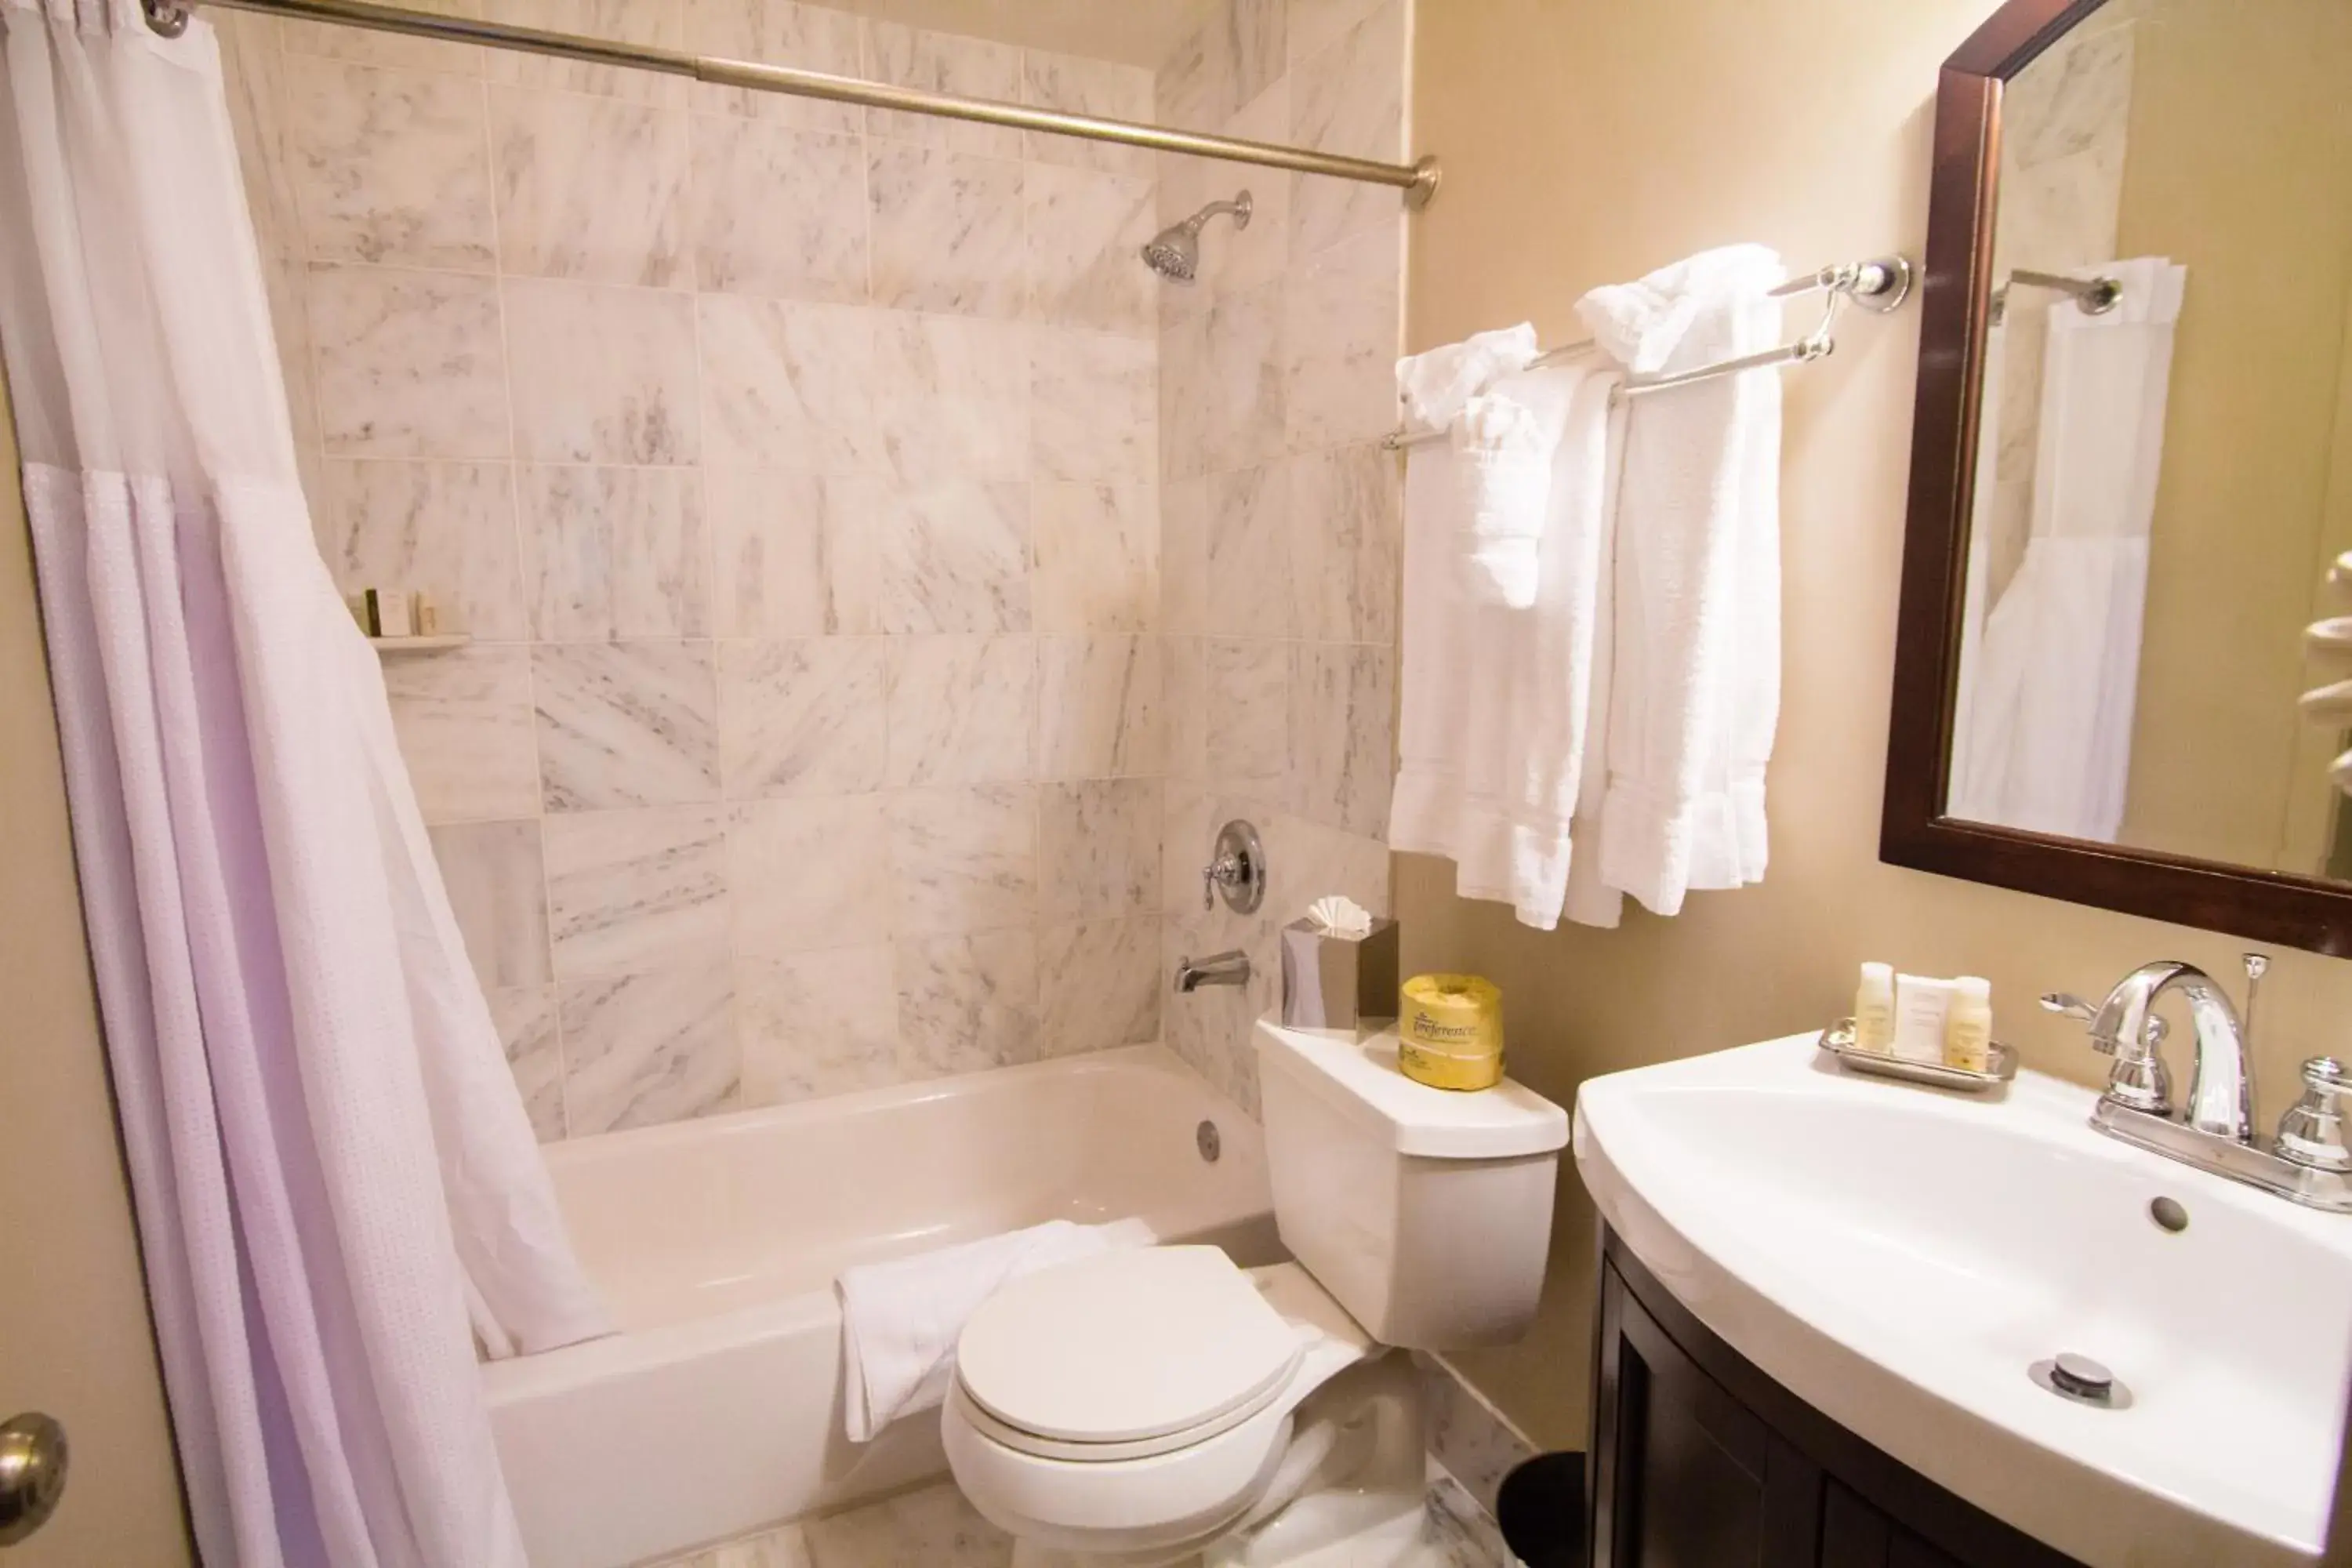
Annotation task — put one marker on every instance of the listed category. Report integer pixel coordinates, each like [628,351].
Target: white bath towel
[2041,737]
[1501,707]
[2053,683]
[901,1320]
[1694,696]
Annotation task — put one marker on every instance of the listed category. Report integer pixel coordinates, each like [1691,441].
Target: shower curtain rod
[1418,180]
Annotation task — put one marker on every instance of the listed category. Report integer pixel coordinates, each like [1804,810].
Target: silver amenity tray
[1837,1041]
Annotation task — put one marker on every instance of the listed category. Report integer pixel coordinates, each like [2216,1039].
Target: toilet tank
[1425,1212]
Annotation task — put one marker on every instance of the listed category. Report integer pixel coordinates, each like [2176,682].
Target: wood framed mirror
[2132,469]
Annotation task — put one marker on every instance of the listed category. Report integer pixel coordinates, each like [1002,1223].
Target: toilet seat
[1125,1356]
[1182,1484]
[1029,1445]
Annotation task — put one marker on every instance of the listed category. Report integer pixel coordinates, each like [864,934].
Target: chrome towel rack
[1881,284]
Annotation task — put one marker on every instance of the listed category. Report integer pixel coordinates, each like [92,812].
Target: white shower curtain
[334,1177]
[2049,684]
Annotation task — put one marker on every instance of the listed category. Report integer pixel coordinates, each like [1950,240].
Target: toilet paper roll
[1449,1031]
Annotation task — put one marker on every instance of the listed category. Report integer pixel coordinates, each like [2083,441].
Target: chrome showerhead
[1175,252]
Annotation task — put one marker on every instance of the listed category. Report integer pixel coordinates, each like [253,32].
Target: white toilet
[1140,1406]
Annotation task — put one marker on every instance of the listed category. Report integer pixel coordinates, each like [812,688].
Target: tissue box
[1347,984]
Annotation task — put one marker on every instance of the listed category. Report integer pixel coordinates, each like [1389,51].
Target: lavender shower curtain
[337,1188]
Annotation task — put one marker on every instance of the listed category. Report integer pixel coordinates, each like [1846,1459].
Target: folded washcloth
[1433,387]
[1503,451]
[900,1320]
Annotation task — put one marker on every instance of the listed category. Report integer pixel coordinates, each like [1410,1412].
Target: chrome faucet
[2221,1084]
[1230,967]
[2307,1162]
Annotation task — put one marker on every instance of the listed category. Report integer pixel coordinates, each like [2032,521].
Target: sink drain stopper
[2082,1380]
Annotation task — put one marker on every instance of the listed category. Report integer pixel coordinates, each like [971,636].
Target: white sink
[1899,1257]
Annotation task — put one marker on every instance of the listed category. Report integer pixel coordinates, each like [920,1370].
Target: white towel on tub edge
[901,1320]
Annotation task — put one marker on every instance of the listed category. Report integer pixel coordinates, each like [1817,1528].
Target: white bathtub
[717,1409]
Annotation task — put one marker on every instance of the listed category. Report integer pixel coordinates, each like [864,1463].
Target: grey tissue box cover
[1347,983]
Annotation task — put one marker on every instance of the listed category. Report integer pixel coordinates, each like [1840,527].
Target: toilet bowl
[1135,1408]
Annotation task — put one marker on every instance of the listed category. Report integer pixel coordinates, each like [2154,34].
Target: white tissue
[1336,914]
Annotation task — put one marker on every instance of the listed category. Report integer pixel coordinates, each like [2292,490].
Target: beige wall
[2241,170]
[75,1339]
[2313,804]
[1586,142]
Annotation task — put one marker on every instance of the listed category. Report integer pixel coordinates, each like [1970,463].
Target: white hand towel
[1437,655]
[1433,387]
[1501,707]
[900,1320]
[1695,697]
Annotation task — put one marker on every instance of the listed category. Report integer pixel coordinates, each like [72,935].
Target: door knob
[32,1474]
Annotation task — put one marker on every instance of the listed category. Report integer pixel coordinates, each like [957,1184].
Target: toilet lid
[1127,1346]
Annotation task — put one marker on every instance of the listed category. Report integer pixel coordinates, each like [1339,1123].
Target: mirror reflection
[2164,474]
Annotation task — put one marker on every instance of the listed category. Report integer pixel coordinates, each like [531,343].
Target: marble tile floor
[933,1526]
[1469,1439]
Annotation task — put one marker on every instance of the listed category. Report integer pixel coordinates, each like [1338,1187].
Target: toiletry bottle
[391,614]
[1873,1010]
[1967,1029]
[1922,1002]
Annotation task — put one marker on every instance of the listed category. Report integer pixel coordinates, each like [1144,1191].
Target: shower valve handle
[1237,867]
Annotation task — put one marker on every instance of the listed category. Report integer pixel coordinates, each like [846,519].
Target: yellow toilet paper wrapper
[1449,1031]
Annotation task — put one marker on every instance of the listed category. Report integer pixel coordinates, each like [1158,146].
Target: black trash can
[1540,1507]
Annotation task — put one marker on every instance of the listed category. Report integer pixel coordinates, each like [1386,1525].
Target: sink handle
[2311,1131]
[2067,1004]
[2139,1078]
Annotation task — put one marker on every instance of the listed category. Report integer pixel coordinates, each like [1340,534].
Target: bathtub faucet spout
[1230,967]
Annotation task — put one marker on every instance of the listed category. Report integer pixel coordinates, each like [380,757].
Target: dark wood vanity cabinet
[1699,1460]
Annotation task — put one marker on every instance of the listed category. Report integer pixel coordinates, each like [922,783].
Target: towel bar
[1881,284]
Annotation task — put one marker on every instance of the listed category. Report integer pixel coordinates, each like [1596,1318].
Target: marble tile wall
[2065,129]
[796,473]
[1280,517]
